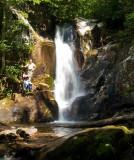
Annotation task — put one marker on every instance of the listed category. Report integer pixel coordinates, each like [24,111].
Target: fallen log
[99,123]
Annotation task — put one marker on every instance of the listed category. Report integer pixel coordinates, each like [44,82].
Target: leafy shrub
[13,72]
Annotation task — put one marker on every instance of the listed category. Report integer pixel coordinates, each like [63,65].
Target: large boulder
[33,107]
[96,143]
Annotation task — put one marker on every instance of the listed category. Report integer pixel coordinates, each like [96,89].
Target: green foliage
[108,11]
[105,10]
[9,94]
[13,72]
[59,10]
[114,14]
[122,34]
[13,50]
[25,15]
[3,46]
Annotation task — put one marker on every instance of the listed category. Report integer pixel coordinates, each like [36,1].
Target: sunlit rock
[90,33]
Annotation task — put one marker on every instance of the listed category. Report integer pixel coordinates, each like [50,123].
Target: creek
[48,134]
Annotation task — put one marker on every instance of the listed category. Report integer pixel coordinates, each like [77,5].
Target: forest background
[117,17]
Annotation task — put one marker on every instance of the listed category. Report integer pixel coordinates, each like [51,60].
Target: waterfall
[67,83]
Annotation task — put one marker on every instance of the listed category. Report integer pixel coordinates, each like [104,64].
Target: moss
[71,149]
[46,79]
[2,96]
[6,103]
[49,80]
[106,141]
[124,128]
[105,149]
[47,111]
[109,134]
[30,93]
[95,143]
[112,141]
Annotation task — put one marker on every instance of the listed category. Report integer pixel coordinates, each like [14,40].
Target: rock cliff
[108,79]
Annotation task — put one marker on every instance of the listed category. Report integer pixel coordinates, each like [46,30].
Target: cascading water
[67,84]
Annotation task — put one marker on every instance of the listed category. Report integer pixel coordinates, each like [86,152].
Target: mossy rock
[49,80]
[105,143]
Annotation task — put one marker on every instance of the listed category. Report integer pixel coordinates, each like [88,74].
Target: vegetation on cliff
[117,15]
[17,44]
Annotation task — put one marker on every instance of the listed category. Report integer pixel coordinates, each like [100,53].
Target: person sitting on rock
[31,67]
[27,81]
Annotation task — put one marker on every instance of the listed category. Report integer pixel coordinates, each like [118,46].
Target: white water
[67,84]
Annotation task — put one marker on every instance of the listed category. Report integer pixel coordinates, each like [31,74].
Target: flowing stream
[67,83]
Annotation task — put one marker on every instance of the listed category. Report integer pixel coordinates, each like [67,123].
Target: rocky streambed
[26,142]
[51,141]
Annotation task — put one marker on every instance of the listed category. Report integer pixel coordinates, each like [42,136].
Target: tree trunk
[2,39]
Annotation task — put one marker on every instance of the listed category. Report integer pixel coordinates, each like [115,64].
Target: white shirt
[26,76]
[31,66]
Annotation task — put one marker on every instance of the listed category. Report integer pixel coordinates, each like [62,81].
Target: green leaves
[13,72]
[3,46]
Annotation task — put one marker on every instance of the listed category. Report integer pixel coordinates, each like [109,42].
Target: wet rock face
[108,79]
